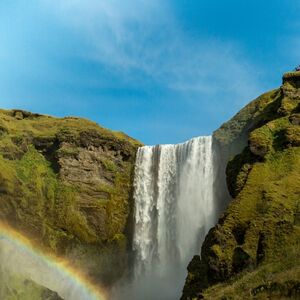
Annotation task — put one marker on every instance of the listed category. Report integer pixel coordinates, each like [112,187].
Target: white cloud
[135,37]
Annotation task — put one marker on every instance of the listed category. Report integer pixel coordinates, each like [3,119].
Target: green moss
[259,232]
[46,126]
[292,136]
[268,198]
[120,240]
[238,170]
[70,150]
[269,138]
[244,285]
[66,183]
[109,165]
[287,106]
[118,207]
[44,197]
[259,111]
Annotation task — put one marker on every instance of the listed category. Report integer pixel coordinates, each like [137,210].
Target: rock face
[67,184]
[254,249]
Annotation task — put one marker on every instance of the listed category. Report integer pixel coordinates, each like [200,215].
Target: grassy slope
[85,222]
[266,207]
[276,280]
[254,250]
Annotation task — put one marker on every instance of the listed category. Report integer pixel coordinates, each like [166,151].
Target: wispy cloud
[143,38]
[68,57]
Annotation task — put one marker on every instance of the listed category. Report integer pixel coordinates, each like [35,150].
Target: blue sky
[162,71]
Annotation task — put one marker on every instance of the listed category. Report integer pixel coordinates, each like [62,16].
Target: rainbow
[50,271]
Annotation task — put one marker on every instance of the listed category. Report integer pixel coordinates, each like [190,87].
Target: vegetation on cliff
[67,184]
[253,251]
[14,287]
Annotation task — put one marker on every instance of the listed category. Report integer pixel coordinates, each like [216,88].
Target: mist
[18,261]
[174,209]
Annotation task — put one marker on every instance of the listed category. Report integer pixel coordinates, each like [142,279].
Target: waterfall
[174,209]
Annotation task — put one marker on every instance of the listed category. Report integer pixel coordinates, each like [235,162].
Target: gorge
[134,217]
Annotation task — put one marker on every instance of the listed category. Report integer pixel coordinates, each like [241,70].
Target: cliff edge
[254,250]
[66,183]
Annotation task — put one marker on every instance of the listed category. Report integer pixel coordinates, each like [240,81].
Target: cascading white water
[174,209]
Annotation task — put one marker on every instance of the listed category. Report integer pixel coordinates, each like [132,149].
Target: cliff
[253,251]
[66,184]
